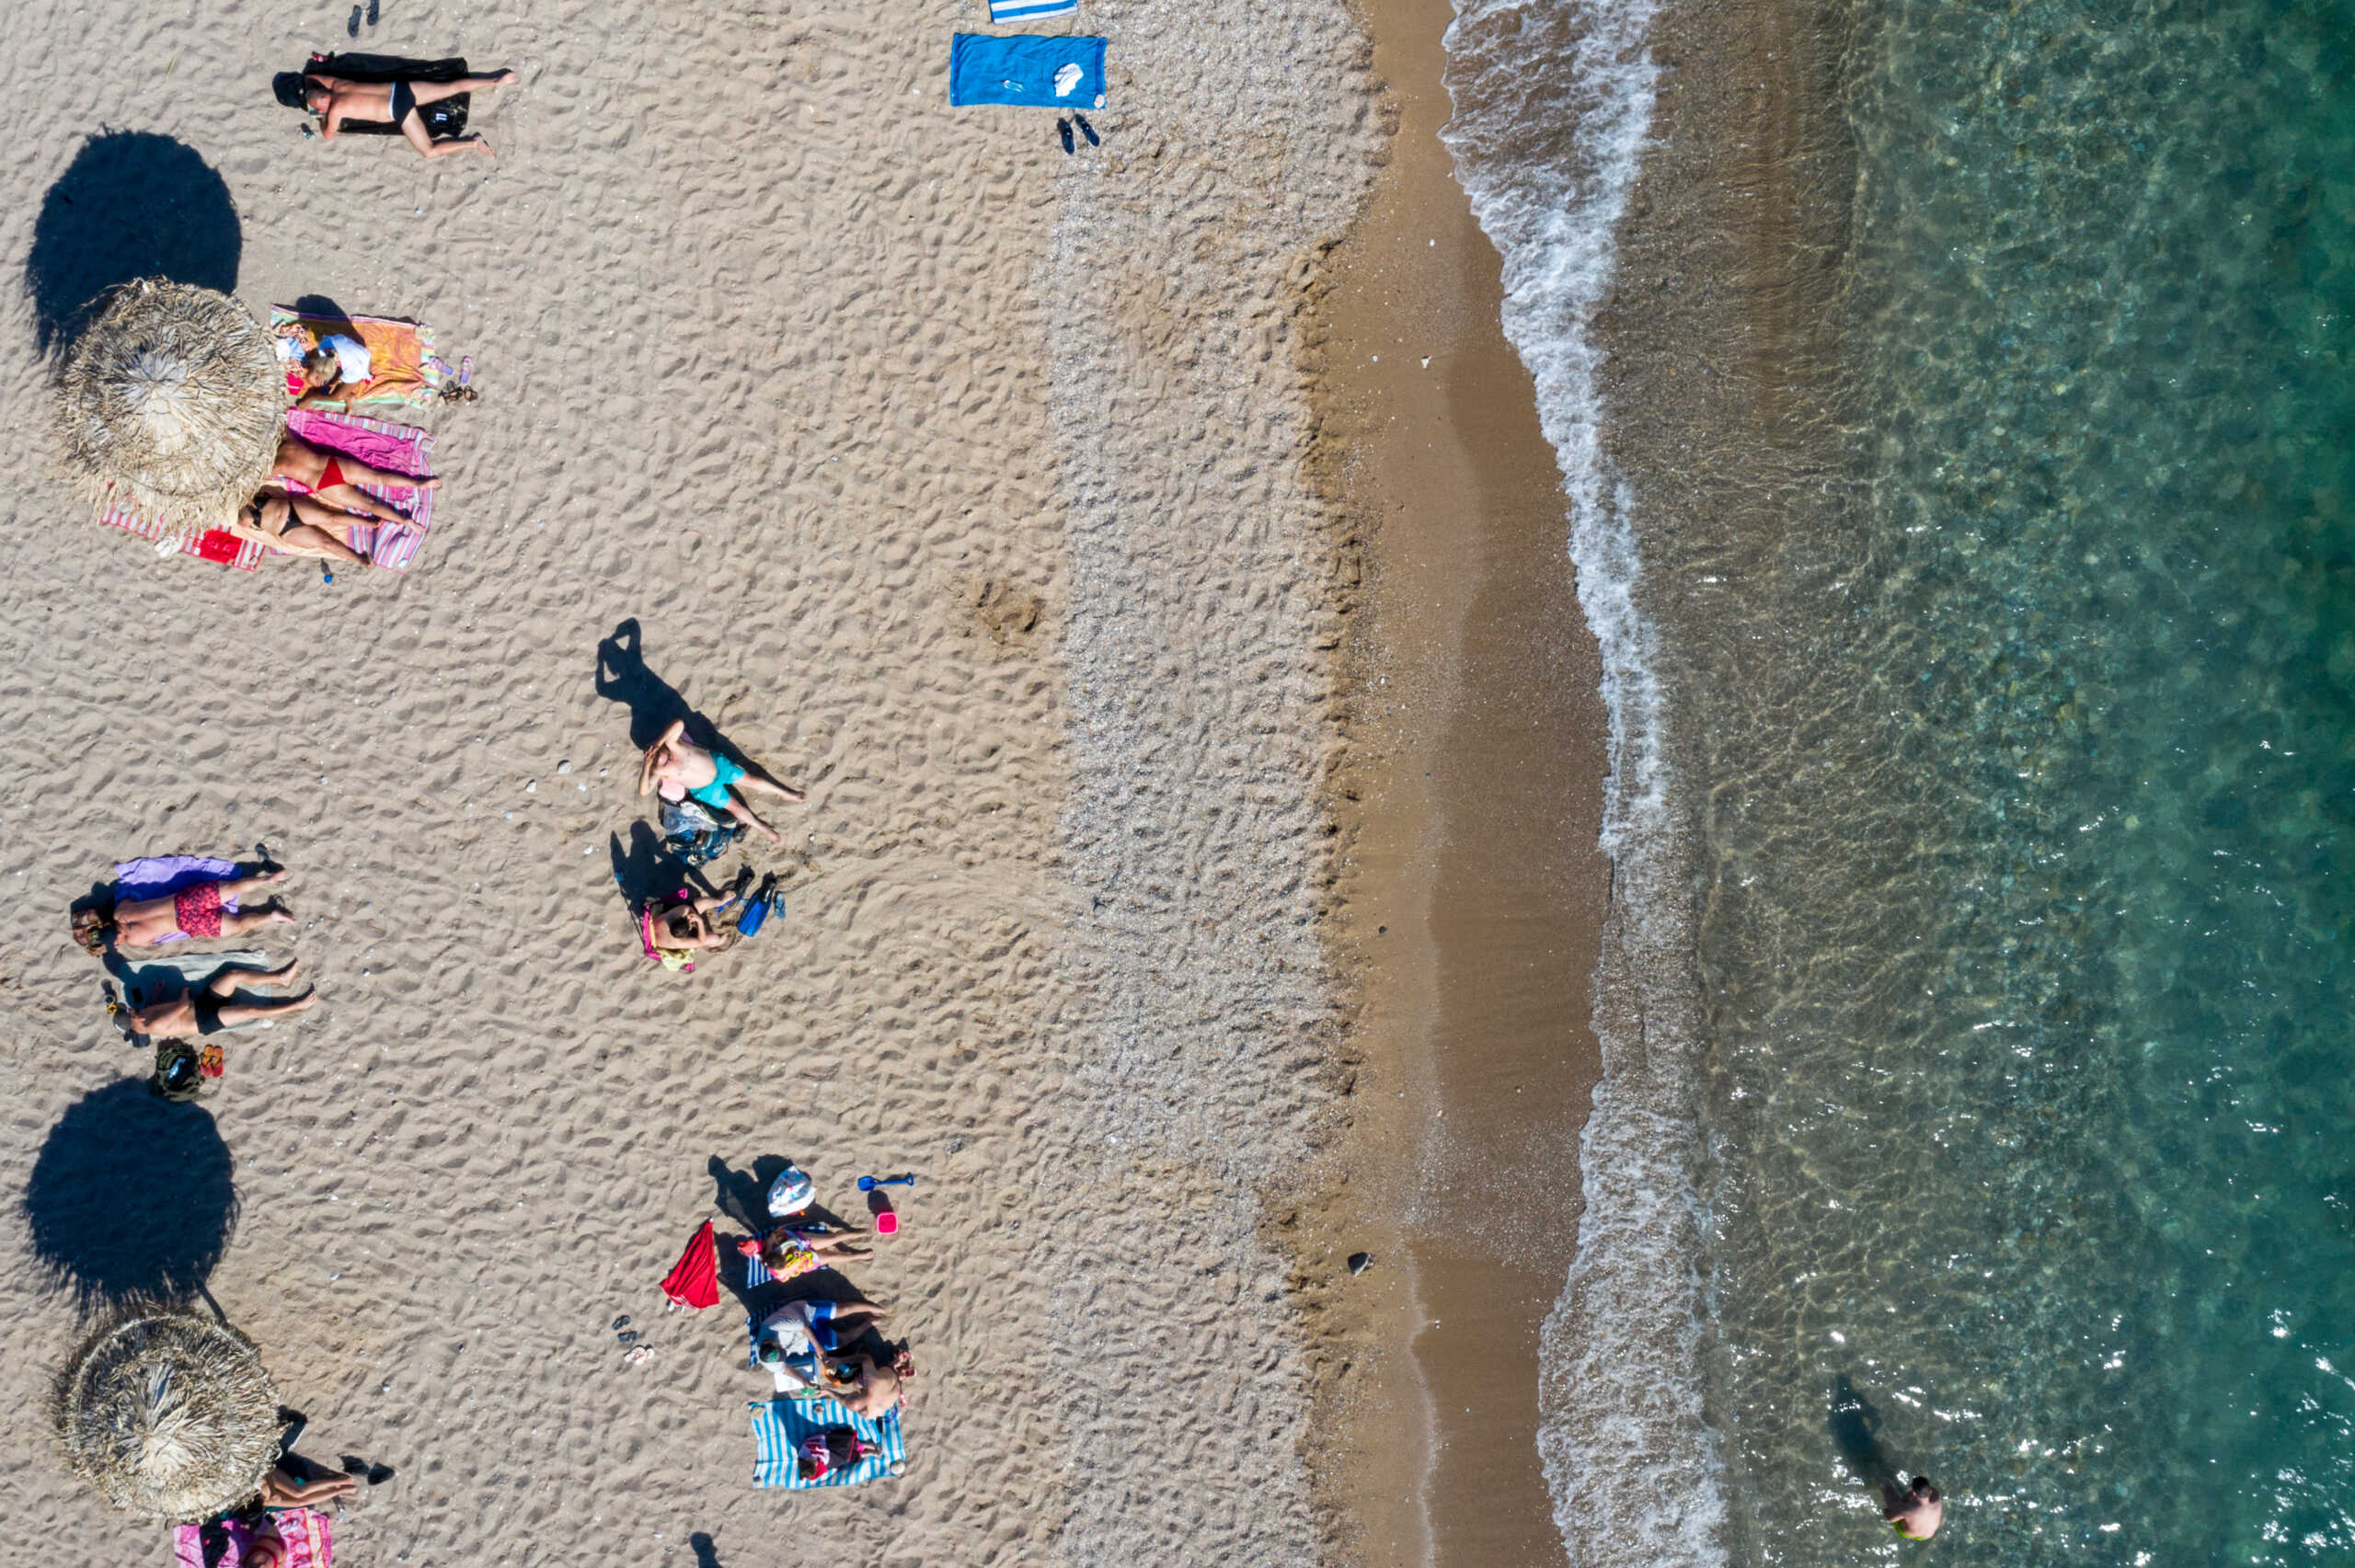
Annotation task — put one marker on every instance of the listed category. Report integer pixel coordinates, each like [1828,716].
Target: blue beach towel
[1021,70]
[1030,10]
[778,1426]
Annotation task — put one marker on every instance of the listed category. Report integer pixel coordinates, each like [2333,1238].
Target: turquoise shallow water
[2030,850]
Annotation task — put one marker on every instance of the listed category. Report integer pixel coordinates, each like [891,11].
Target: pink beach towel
[403,449]
[308,1544]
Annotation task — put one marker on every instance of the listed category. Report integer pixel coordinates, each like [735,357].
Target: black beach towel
[444,118]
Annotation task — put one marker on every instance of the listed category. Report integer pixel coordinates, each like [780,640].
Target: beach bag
[179,1072]
[693,836]
[792,1192]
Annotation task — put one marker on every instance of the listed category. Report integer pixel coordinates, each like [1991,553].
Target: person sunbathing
[281,1489]
[336,478]
[194,912]
[789,1252]
[207,1010]
[677,767]
[266,1545]
[302,525]
[337,98]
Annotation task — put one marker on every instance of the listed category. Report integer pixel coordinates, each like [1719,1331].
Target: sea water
[1992,1114]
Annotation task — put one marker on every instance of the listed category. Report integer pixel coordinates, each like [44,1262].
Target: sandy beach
[949,479]
[1472,884]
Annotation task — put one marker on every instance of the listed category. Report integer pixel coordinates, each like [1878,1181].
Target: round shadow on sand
[131,1199]
[132,204]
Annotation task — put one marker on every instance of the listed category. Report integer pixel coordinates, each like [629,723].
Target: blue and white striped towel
[1030,10]
[778,1426]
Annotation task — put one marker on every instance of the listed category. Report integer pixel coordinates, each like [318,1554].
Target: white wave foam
[1553,102]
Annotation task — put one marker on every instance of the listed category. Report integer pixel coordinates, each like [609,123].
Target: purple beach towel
[159,876]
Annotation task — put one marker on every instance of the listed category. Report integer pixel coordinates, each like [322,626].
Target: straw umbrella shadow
[132,1199]
[132,204]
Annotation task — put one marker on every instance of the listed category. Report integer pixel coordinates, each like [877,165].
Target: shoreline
[1472,888]
[1718,367]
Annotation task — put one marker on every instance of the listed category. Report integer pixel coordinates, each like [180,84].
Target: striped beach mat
[780,1424]
[401,448]
[1030,10]
[172,537]
[376,441]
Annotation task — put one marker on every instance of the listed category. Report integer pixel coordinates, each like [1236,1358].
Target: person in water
[1914,1511]
[337,98]
[336,478]
[677,768]
[194,912]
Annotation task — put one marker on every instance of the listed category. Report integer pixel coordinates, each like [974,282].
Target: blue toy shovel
[868,1184]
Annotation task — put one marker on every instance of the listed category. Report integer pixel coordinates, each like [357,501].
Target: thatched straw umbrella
[172,404]
[170,1416]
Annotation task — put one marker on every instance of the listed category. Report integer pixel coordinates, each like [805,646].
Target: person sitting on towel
[790,1339]
[678,768]
[336,99]
[865,1386]
[193,911]
[207,1010]
[336,478]
[336,369]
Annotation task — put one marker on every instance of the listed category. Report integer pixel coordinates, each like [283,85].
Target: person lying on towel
[336,99]
[336,478]
[207,1010]
[301,526]
[677,767]
[787,1253]
[193,911]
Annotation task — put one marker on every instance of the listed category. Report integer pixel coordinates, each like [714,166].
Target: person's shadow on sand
[1856,1434]
[654,704]
[645,871]
[707,1554]
[132,204]
[330,316]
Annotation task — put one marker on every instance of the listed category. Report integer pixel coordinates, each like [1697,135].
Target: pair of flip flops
[1063,129]
[627,1337]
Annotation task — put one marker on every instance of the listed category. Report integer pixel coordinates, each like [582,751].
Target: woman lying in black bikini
[336,99]
[302,525]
